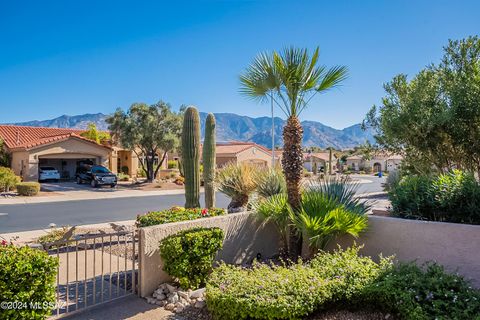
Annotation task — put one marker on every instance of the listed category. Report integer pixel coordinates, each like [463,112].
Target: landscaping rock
[184,295]
[197,293]
[173,299]
[170,307]
[171,288]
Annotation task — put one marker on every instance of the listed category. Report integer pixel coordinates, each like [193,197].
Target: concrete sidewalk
[25,237]
[131,308]
[88,195]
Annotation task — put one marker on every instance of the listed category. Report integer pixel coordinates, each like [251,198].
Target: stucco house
[63,149]
[379,162]
[320,159]
[239,152]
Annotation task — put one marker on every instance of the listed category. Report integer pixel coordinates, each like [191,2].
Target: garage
[64,165]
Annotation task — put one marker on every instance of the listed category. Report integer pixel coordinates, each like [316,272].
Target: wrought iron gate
[94,269]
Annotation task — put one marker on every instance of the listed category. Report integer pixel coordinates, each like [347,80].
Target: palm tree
[291,78]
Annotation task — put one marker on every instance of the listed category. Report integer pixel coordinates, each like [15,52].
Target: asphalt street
[24,217]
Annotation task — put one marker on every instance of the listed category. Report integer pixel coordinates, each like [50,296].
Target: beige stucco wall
[456,246]
[68,149]
[256,156]
[245,237]
[19,163]
[223,161]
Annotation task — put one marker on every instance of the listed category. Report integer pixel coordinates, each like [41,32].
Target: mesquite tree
[149,131]
[291,78]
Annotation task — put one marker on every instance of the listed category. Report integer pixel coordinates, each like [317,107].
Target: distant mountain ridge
[232,126]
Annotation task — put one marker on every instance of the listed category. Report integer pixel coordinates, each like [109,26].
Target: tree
[291,78]
[434,119]
[4,156]
[147,130]
[94,134]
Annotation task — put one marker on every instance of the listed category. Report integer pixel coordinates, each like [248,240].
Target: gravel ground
[351,315]
[196,314]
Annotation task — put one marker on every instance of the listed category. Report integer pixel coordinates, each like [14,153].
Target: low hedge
[28,188]
[422,293]
[27,278]
[188,255]
[176,214]
[289,292]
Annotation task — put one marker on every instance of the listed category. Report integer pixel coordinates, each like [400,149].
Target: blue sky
[74,57]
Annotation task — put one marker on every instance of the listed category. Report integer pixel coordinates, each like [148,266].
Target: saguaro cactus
[209,161]
[191,157]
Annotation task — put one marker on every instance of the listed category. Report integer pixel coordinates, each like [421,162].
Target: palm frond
[332,78]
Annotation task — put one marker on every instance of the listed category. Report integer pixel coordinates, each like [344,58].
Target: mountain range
[232,126]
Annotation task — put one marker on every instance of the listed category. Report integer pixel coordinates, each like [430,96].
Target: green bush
[123,177]
[176,214]
[422,293]
[188,255]
[289,292]
[27,275]
[275,209]
[172,164]
[448,197]
[8,179]
[28,188]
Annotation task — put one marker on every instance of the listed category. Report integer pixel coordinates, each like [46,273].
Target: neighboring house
[240,152]
[379,162]
[321,159]
[63,149]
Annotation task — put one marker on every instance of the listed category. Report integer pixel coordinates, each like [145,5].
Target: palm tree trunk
[292,162]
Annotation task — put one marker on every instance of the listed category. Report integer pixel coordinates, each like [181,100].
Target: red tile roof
[23,137]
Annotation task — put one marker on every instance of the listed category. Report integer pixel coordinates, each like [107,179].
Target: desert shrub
[172,164]
[289,292]
[27,275]
[28,188]
[8,179]
[392,180]
[422,293]
[176,214]
[179,181]
[367,170]
[271,182]
[188,255]
[123,177]
[275,209]
[238,181]
[448,197]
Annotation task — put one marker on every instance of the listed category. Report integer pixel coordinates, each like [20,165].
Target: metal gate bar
[99,286]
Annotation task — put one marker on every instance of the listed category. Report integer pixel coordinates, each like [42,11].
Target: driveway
[70,186]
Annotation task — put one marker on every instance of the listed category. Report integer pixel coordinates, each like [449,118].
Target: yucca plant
[275,209]
[342,190]
[271,182]
[290,79]
[237,181]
